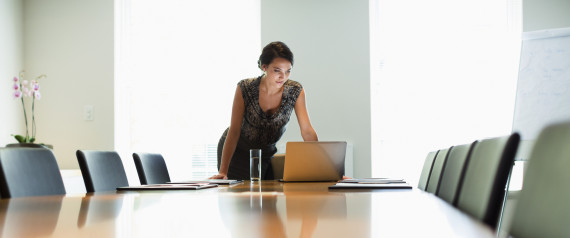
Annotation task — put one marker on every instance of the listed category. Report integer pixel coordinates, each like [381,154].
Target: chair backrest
[428,163]
[486,175]
[101,170]
[29,172]
[543,208]
[151,168]
[453,173]
[278,165]
[436,170]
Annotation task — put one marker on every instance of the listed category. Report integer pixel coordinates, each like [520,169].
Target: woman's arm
[232,138]
[307,131]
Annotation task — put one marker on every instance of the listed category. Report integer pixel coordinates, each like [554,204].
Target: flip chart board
[543,87]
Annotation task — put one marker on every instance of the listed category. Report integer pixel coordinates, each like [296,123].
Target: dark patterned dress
[258,129]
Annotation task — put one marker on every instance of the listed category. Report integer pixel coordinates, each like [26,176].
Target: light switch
[88,113]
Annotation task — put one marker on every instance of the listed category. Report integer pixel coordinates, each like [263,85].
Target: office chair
[29,172]
[101,170]
[428,164]
[453,173]
[436,170]
[278,165]
[543,208]
[483,189]
[151,168]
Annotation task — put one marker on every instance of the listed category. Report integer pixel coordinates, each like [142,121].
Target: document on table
[188,186]
[370,183]
[373,180]
[214,181]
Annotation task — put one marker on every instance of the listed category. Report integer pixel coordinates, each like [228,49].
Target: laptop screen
[314,161]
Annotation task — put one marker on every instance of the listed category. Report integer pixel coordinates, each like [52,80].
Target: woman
[261,110]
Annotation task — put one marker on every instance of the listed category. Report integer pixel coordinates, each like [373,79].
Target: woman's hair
[276,49]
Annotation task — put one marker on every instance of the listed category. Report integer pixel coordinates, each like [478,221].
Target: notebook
[314,161]
[373,180]
[194,186]
[372,183]
[214,181]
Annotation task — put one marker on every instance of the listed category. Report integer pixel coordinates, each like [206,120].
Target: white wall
[330,41]
[545,14]
[72,42]
[11,62]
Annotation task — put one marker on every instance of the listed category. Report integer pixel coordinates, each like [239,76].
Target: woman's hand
[219,176]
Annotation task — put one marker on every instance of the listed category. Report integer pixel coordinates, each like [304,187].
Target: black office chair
[29,172]
[278,165]
[483,189]
[436,170]
[151,168]
[453,173]
[543,208]
[101,170]
[428,164]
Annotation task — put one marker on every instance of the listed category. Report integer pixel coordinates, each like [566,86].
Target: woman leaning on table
[261,110]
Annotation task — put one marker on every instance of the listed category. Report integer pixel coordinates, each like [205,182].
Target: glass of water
[255,164]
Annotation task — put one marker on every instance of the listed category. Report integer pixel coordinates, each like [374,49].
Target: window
[444,73]
[177,66]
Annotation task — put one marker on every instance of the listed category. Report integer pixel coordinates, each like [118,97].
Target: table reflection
[251,210]
[311,207]
[287,209]
[97,209]
[39,216]
[261,209]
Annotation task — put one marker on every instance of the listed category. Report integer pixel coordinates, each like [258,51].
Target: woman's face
[277,72]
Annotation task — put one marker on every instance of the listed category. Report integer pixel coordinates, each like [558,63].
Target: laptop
[314,161]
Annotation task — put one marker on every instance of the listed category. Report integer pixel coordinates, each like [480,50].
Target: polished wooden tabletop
[258,209]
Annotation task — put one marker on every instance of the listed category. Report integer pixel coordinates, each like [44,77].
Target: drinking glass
[255,164]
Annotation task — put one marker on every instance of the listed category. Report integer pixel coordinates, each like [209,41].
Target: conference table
[248,209]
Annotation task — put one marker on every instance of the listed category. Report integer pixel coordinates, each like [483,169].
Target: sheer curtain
[177,66]
[443,73]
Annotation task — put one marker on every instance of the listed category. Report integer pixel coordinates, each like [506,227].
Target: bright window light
[444,73]
[178,63]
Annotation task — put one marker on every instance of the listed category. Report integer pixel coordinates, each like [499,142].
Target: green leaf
[32,139]
[19,138]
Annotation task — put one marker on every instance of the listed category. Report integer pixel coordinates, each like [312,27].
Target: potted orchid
[31,89]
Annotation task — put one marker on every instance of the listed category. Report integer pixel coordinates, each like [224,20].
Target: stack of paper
[214,181]
[372,183]
[187,186]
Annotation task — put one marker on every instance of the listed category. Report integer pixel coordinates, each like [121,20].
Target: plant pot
[30,145]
